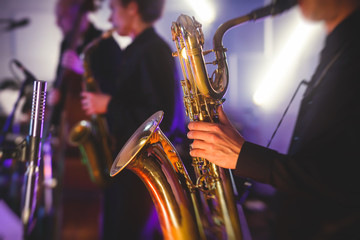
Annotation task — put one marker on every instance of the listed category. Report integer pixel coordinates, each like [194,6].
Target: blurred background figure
[146,82]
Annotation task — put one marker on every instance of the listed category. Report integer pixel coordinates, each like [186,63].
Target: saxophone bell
[84,135]
[151,156]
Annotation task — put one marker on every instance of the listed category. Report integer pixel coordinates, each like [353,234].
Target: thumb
[222,116]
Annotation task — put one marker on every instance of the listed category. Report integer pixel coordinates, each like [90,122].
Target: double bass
[67,111]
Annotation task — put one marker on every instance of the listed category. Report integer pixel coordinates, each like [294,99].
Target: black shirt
[147,83]
[105,61]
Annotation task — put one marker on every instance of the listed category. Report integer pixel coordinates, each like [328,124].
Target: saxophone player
[317,180]
[146,82]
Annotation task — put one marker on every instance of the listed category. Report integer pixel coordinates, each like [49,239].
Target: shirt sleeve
[290,175]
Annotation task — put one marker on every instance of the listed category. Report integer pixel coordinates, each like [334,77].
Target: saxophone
[200,209]
[91,136]
[205,209]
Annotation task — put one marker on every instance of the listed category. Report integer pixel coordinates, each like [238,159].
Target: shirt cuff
[254,162]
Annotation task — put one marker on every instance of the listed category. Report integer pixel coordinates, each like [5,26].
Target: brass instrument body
[202,95]
[92,136]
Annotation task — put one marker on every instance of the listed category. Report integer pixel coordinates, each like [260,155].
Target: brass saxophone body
[202,96]
[204,208]
[92,136]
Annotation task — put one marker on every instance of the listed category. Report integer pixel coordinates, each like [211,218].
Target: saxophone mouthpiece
[275,8]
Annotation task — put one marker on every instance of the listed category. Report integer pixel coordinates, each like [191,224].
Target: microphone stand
[10,119]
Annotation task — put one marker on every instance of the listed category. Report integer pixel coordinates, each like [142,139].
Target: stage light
[301,36]
[204,9]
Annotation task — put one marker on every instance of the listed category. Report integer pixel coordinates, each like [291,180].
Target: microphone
[33,155]
[17,23]
[28,74]
[275,8]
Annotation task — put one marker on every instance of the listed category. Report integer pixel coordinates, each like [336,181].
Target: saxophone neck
[222,75]
[222,29]
[270,10]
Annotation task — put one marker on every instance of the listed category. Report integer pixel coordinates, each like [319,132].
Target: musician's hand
[219,143]
[72,61]
[95,103]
